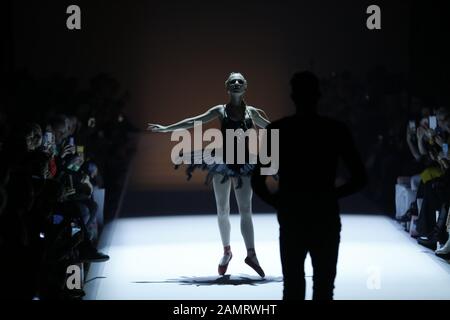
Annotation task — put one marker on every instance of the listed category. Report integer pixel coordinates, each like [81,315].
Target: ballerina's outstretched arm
[188,123]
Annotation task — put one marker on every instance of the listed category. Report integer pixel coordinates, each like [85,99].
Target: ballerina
[234,115]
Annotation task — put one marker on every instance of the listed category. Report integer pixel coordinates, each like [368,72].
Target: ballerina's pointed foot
[252,261]
[223,265]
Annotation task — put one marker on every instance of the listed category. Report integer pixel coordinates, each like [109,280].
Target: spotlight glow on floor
[175,258]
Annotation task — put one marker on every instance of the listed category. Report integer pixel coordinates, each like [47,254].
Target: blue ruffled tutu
[205,163]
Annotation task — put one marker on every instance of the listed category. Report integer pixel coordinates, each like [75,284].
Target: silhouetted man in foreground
[307,198]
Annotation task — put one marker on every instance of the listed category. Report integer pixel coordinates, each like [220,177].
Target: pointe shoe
[252,261]
[223,265]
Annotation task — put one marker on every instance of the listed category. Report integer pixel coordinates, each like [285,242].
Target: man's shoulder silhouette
[310,146]
[316,125]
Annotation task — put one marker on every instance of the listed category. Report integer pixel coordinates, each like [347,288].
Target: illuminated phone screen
[433,122]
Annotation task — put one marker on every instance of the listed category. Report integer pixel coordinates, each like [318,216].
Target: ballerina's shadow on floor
[93,279]
[222,280]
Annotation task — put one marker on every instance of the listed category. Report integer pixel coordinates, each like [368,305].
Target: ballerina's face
[236,84]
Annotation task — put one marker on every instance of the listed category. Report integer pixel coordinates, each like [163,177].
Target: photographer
[430,139]
[78,194]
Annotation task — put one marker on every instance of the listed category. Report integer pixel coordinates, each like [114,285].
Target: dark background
[174,56]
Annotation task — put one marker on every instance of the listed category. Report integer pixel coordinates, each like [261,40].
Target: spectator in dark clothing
[307,199]
[50,162]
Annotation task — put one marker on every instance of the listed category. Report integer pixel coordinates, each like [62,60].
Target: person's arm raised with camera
[409,139]
[421,132]
[68,149]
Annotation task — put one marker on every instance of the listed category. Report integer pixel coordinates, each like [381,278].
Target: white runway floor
[175,258]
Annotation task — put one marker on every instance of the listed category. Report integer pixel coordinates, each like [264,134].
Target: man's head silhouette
[305,91]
